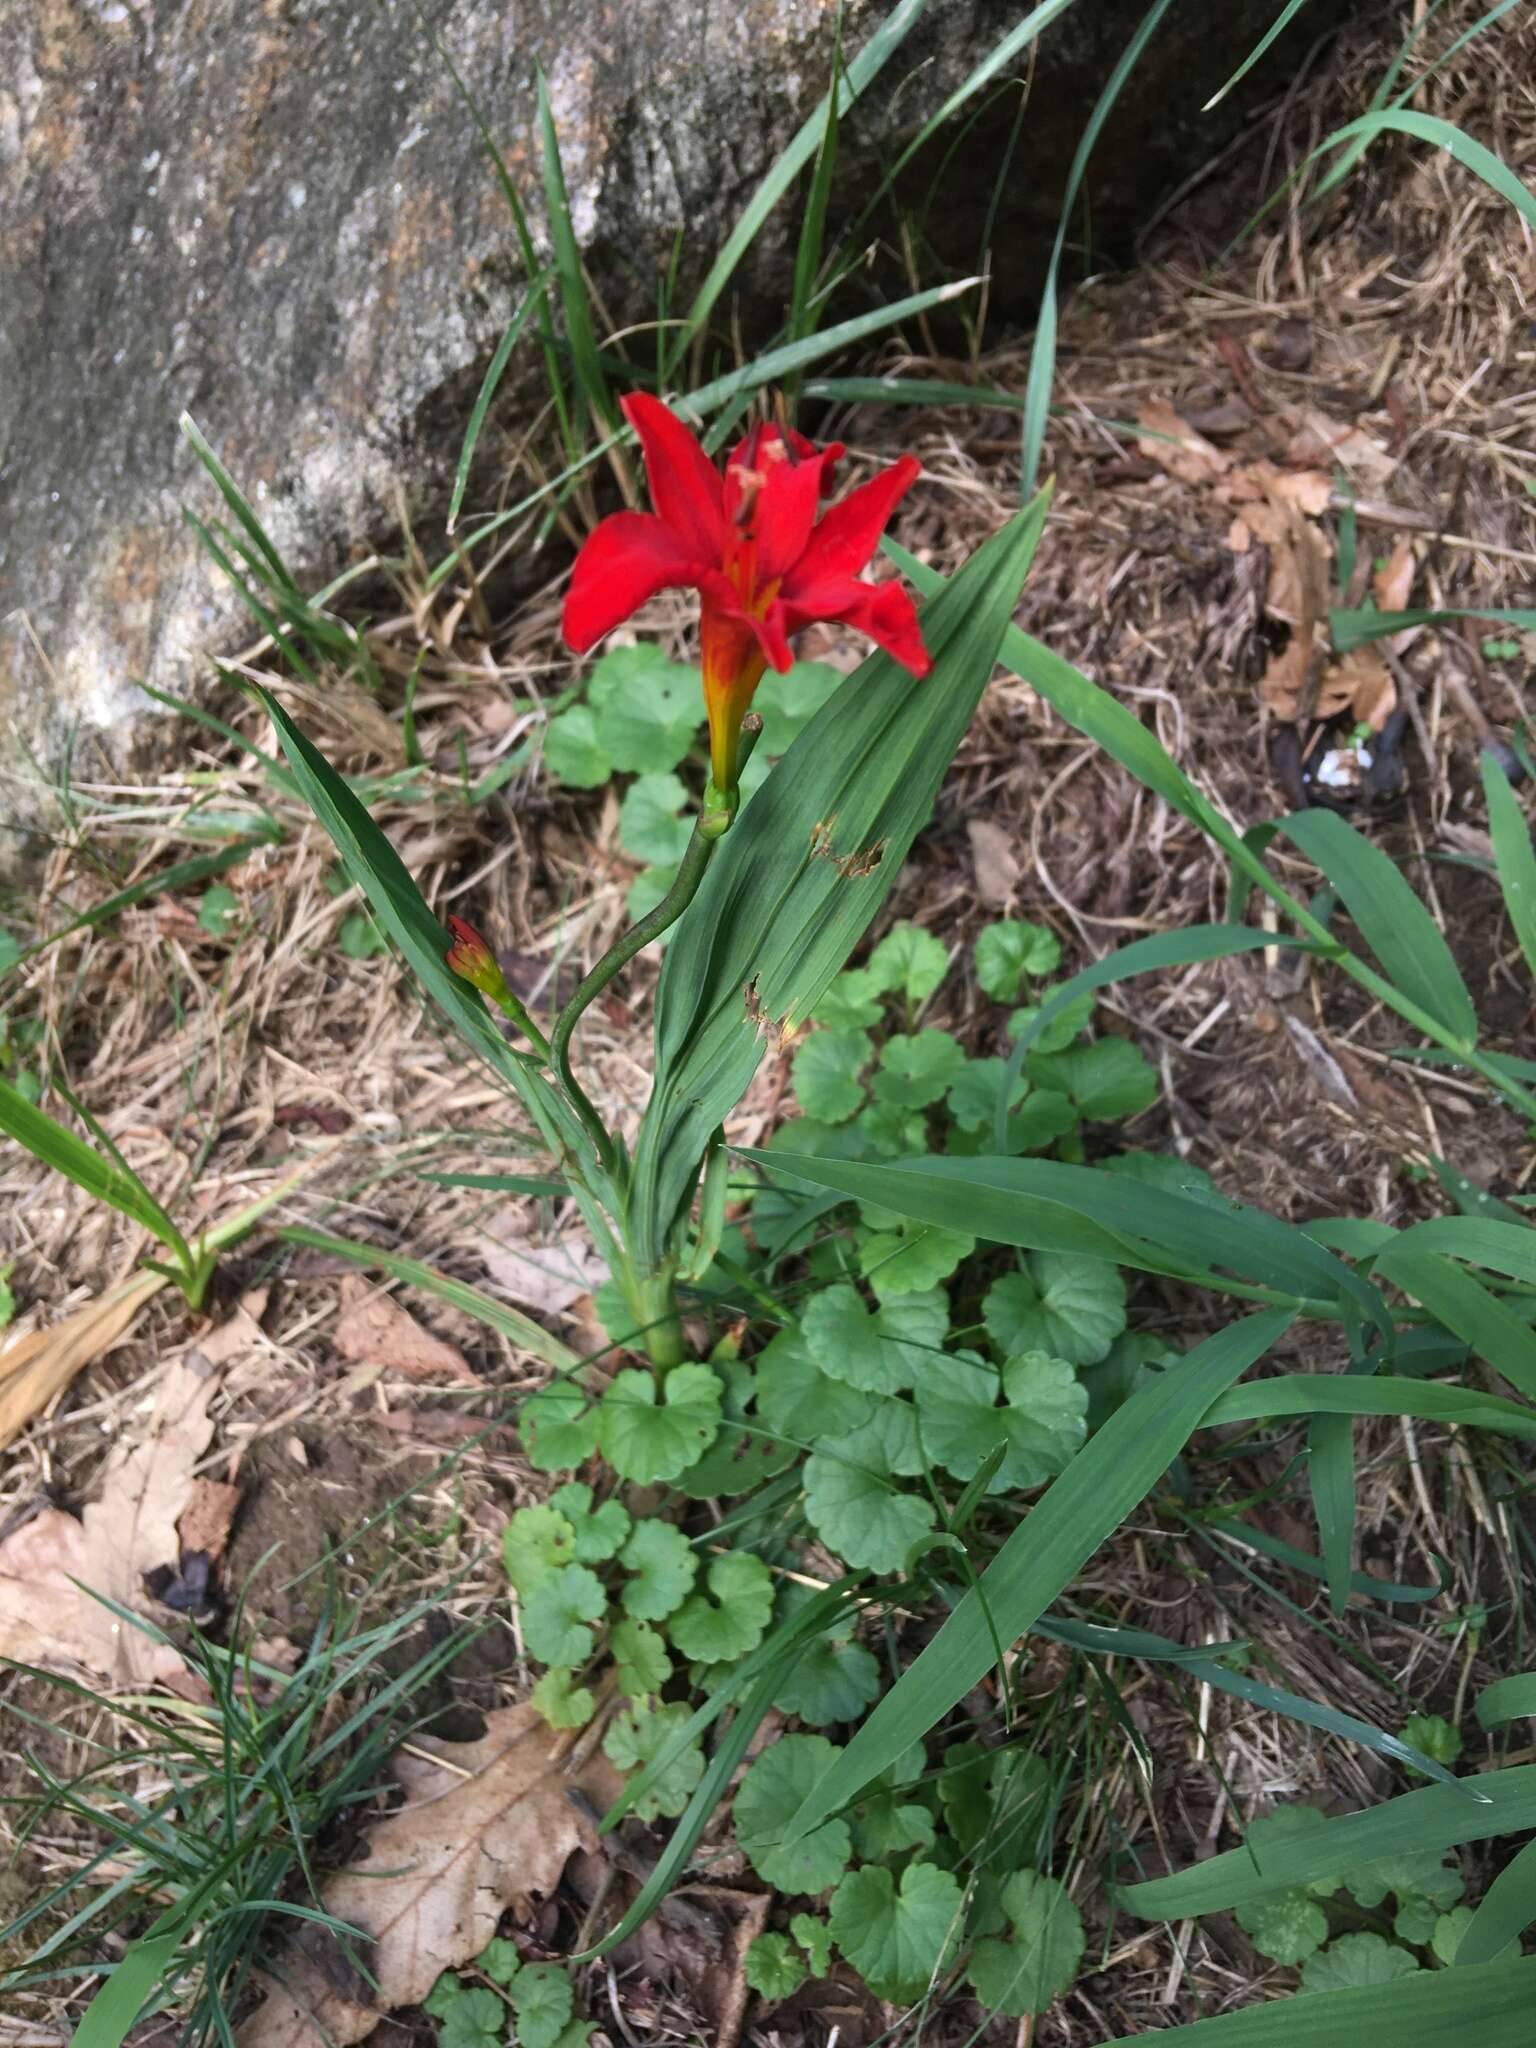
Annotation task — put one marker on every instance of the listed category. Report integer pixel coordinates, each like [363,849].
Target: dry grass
[1403,309]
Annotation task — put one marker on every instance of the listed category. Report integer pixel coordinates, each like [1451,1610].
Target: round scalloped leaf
[827,1066]
[652,826]
[959,1420]
[536,1542]
[972,1099]
[499,1960]
[831,1682]
[648,709]
[559,1700]
[767,1800]
[797,1400]
[772,1968]
[1039,1960]
[916,1070]
[1354,1960]
[559,1428]
[1061,1303]
[722,1625]
[542,1998]
[1448,1930]
[641,1663]
[573,753]
[913,1260]
[886,1825]
[1047,1417]
[1285,1824]
[599,1531]
[1061,1030]
[1286,1926]
[556,1612]
[887,1131]
[910,962]
[886,1441]
[815,1937]
[898,1939]
[790,701]
[637,1737]
[665,1565]
[646,1440]
[851,1002]
[1107,1080]
[1010,952]
[844,1339]
[470,2018]
[861,1516]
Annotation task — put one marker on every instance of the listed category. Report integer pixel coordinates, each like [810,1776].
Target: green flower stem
[512,1009]
[706,834]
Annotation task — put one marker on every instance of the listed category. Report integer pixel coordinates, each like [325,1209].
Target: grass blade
[104,1179]
[1351,629]
[1393,922]
[1042,356]
[1104,1483]
[496,1315]
[1429,2009]
[1507,1908]
[586,357]
[1447,136]
[1281,23]
[183,875]
[280,578]
[1307,1393]
[487,392]
[802,318]
[135,1978]
[1513,856]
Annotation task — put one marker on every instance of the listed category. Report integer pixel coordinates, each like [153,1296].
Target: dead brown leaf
[238,1333]
[1392,583]
[1327,442]
[485,1826]
[208,1517]
[544,1276]
[997,864]
[1174,445]
[47,1619]
[1298,574]
[40,1364]
[374,1330]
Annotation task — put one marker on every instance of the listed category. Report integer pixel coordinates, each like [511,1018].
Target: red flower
[472,959]
[750,543]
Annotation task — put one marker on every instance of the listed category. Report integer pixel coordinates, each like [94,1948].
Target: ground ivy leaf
[1434,1735]
[1286,1926]
[958,1417]
[1107,1080]
[1449,1928]
[559,1428]
[1061,1030]
[768,1798]
[536,1542]
[650,825]
[832,1682]
[719,1627]
[1284,1824]
[646,1440]
[886,1826]
[815,1937]
[797,1400]
[641,1663]
[886,1441]
[499,1960]
[860,1515]
[648,717]
[665,1565]
[1355,1959]
[915,1071]
[555,1612]
[1414,1874]
[561,1701]
[445,1994]
[897,1938]
[218,906]
[1036,1964]
[1061,1303]
[1044,1117]
[851,1002]
[646,891]
[1008,952]
[772,1968]
[826,1073]
[1047,1416]
[790,701]
[573,753]
[845,1339]
[910,962]
[891,1132]
[639,1735]
[475,2018]
[542,1998]
[912,1260]
[973,1093]
[598,1531]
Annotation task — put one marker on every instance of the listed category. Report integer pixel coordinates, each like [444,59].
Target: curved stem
[671,907]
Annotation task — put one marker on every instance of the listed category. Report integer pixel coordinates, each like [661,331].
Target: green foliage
[1039,1958]
[773,1970]
[556,1614]
[1355,1960]
[1010,954]
[1423,1882]
[723,1624]
[1058,1303]
[561,1702]
[897,1936]
[1107,1080]
[832,1682]
[815,1937]
[918,1069]
[641,1664]
[767,1800]
[642,1734]
[652,824]
[1434,1735]
[468,2015]
[826,1073]
[664,1565]
[645,1438]
[910,963]
[542,1998]
[559,1428]
[534,1545]
[215,913]
[597,1531]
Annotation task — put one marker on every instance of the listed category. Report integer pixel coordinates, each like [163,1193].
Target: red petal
[786,512]
[883,611]
[850,532]
[685,485]
[629,557]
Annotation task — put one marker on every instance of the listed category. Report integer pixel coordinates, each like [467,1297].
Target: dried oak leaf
[1392,583]
[374,1330]
[996,862]
[45,1618]
[486,1824]
[1173,444]
[543,1276]
[36,1364]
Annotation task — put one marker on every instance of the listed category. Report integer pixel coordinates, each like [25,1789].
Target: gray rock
[277,215]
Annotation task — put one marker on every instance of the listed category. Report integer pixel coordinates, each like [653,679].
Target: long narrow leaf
[1351,629]
[1393,922]
[1507,1699]
[1311,1393]
[104,1179]
[1513,855]
[1277,28]
[532,299]
[1105,1482]
[185,874]
[1490,2007]
[586,357]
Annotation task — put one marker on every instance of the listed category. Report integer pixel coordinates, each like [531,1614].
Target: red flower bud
[473,961]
